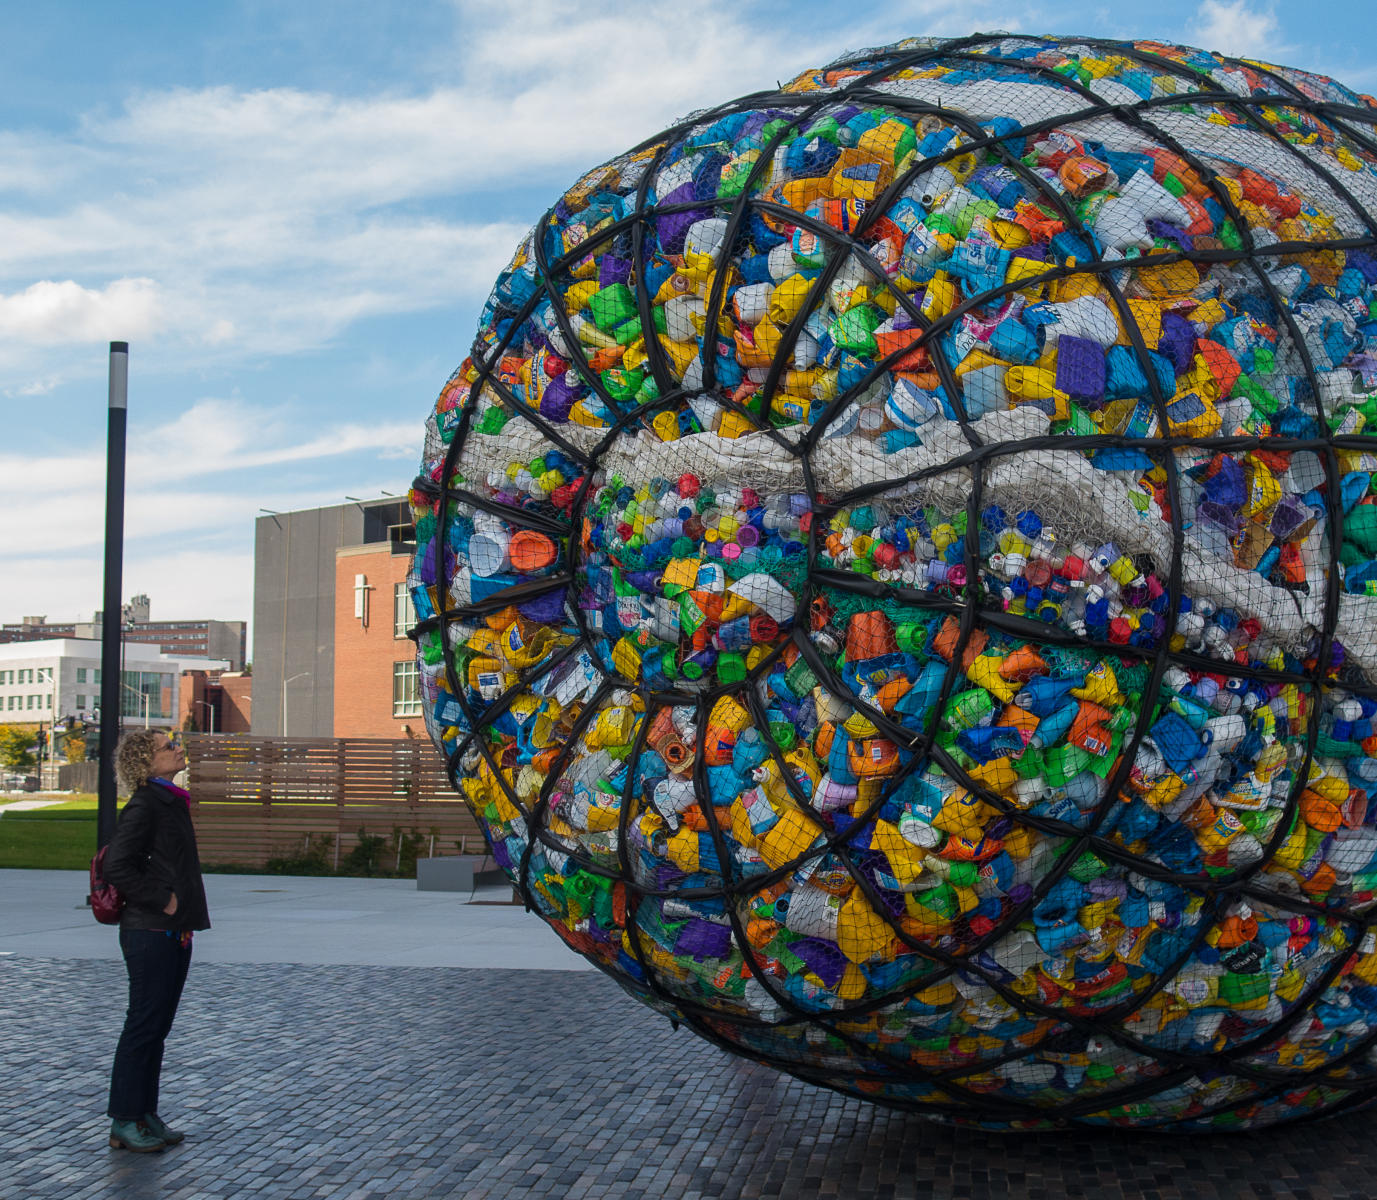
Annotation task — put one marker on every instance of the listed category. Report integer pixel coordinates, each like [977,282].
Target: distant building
[36,629]
[296,598]
[43,681]
[226,640]
[215,701]
[236,700]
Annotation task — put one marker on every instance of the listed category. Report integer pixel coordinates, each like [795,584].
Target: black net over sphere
[897,581]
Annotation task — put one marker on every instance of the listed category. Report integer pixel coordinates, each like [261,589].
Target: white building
[45,681]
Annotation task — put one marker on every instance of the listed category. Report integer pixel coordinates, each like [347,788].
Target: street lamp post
[210,708]
[114,567]
[53,717]
[285,682]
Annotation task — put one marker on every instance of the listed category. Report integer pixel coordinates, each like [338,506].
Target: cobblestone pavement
[387,1083]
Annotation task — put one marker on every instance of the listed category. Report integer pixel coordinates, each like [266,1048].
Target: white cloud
[225,221]
[190,584]
[215,437]
[202,474]
[1238,27]
[51,312]
[182,584]
[266,222]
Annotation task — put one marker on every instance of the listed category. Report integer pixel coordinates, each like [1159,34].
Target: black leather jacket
[152,855]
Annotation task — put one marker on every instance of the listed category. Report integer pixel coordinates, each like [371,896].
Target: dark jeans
[157,967]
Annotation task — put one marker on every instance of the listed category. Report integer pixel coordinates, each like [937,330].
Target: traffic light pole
[112,625]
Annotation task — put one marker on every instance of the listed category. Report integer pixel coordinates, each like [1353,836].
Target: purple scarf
[173,788]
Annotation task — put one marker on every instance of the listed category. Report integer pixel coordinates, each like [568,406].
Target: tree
[75,746]
[16,748]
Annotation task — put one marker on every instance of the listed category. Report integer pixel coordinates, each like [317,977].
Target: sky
[294,212]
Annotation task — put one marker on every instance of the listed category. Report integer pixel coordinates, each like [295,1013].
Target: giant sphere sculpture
[896,572]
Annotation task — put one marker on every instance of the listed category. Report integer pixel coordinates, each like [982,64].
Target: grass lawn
[60,837]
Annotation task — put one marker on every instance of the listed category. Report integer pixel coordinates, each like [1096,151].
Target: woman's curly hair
[134,758]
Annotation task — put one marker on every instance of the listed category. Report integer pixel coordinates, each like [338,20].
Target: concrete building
[294,607]
[43,681]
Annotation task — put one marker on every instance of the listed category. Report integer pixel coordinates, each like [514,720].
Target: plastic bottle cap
[531,551]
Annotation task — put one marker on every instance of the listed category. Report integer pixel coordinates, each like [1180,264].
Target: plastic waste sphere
[896,581]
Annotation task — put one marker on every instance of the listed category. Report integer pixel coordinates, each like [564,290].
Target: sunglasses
[174,741]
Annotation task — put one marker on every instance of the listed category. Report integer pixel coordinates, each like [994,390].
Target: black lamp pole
[112,624]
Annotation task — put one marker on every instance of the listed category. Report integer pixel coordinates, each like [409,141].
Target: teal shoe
[132,1135]
[156,1126]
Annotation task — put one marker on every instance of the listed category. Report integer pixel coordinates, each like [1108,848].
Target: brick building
[215,701]
[376,692]
[236,699]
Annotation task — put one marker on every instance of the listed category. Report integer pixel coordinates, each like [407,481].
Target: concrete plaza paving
[362,1040]
[297,919]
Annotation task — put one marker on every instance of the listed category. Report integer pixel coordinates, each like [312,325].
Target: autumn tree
[16,748]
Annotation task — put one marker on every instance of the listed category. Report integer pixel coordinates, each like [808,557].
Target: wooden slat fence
[255,798]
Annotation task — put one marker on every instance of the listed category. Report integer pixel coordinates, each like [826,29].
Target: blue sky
[293,213]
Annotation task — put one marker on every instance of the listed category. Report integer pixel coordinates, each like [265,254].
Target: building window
[406,692]
[30,700]
[81,674]
[403,611]
[142,694]
[96,681]
[80,702]
[10,705]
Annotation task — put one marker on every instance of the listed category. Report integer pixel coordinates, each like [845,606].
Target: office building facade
[295,598]
[43,681]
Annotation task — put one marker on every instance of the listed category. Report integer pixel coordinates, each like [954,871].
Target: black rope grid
[839,1044]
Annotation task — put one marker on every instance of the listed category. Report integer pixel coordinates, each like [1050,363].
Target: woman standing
[152,859]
